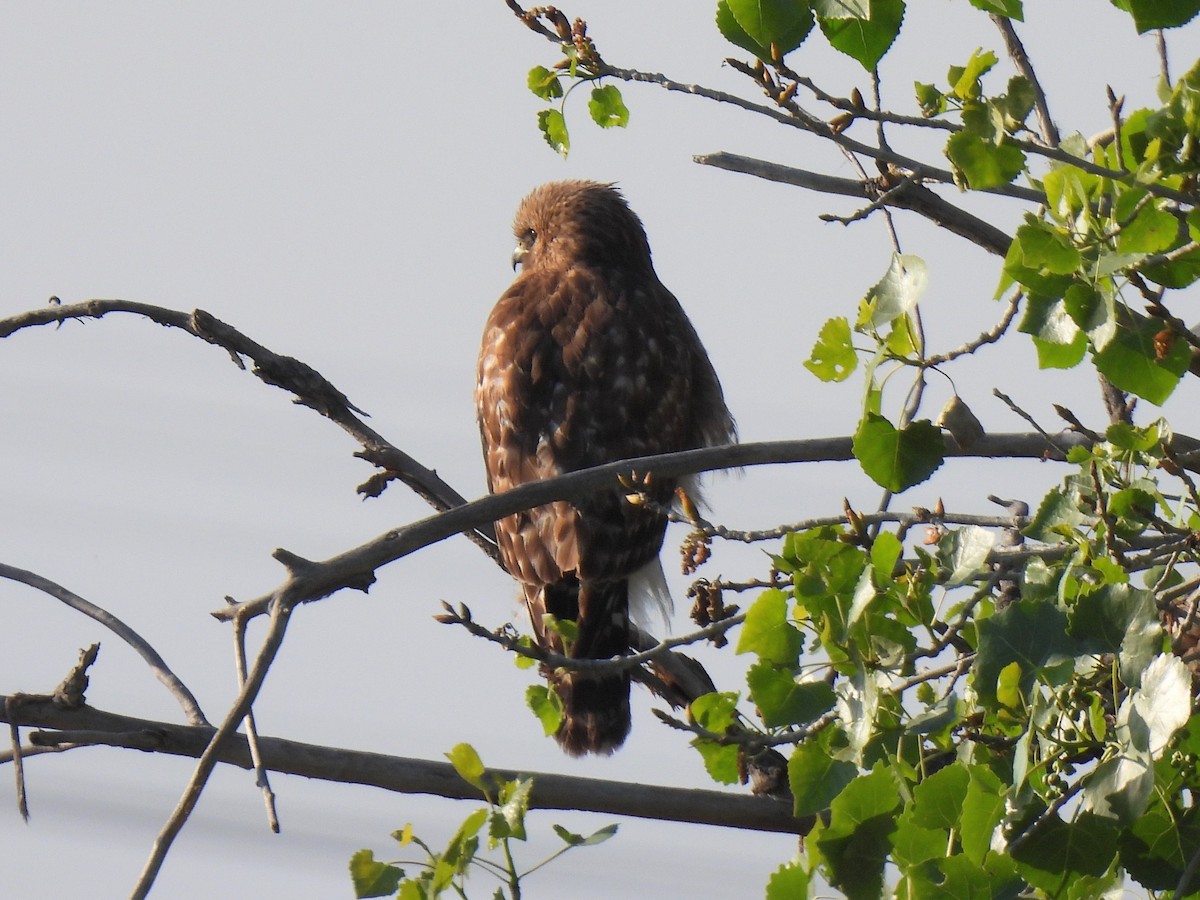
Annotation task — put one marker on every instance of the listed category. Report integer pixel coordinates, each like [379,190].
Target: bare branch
[410,776]
[990,336]
[1016,52]
[191,707]
[911,196]
[17,756]
[260,771]
[310,387]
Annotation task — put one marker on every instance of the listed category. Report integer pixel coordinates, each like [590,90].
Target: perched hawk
[587,359]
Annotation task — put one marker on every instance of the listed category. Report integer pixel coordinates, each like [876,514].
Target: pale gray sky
[337,181]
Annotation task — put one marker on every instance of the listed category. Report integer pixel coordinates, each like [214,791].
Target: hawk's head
[566,223]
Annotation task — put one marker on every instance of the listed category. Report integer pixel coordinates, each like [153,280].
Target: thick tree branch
[411,776]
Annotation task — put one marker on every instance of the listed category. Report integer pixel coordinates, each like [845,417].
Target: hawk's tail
[596,707]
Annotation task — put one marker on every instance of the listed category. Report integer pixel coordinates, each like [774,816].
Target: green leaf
[1031,633]
[508,819]
[460,850]
[781,701]
[720,761]
[816,778]
[931,100]
[964,551]
[842,9]
[964,80]
[546,705]
[1178,273]
[1092,311]
[866,40]
[938,800]
[1060,356]
[858,708]
[855,843]
[788,882]
[833,357]
[1152,230]
[1044,247]
[767,631]
[1163,702]
[544,83]
[1063,851]
[715,711]
[468,765]
[913,844]
[373,878]
[1149,15]
[896,293]
[1058,514]
[1018,101]
[983,164]
[554,129]
[1119,619]
[886,551]
[578,840]
[607,108]
[1010,8]
[754,25]
[1157,847]
[898,459]
[983,809]
[1130,361]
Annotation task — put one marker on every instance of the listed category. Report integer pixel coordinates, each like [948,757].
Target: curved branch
[191,707]
[411,776]
[310,387]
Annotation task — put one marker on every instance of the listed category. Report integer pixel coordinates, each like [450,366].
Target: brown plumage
[587,359]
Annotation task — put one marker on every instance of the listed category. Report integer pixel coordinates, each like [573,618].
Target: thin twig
[14,733]
[509,641]
[1011,404]
[260,770]
[990,336]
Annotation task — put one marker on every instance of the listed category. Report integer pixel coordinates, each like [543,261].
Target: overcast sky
[337,181]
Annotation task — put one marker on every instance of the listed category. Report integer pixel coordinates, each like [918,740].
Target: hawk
[587,359]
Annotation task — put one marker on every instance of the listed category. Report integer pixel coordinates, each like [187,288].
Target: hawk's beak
[518,255]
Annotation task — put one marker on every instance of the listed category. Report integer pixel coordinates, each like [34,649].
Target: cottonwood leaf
[896,459]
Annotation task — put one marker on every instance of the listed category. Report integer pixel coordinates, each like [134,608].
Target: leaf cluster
[447,870]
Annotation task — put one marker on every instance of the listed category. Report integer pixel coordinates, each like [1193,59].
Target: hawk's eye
[524,245]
